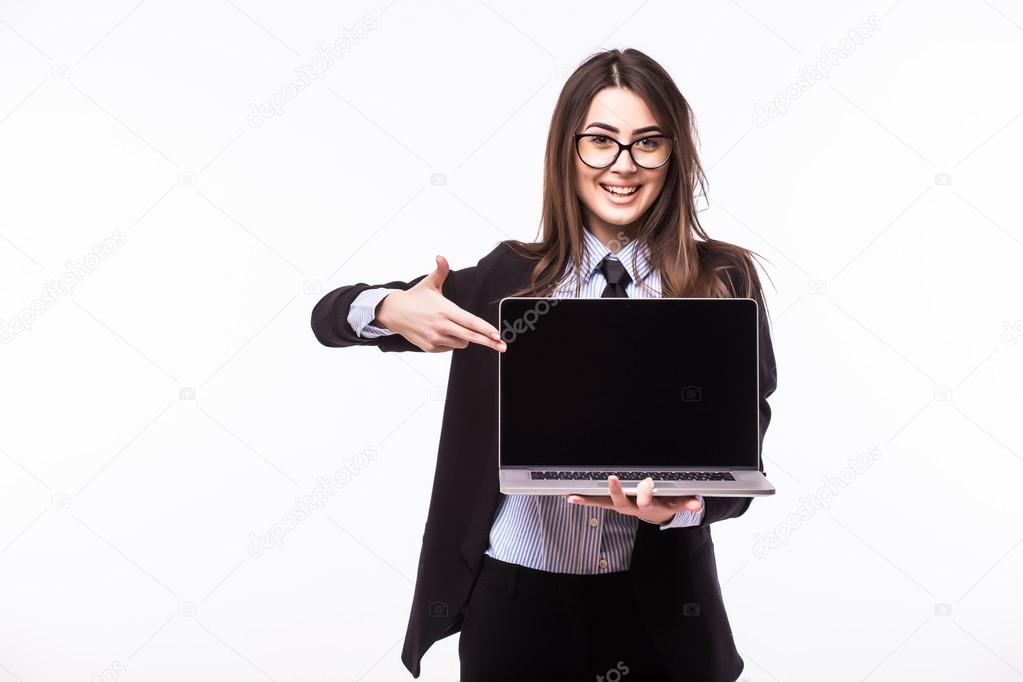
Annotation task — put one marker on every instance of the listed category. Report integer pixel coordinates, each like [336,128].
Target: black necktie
[617,278]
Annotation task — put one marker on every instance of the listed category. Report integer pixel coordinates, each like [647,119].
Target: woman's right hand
[431,322]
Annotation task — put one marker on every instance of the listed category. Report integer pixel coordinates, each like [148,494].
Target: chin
[619,220]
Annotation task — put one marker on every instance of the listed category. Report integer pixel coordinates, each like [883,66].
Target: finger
[694,503]
[454,329]
[591,500]
[441,343]
[621,500]
[436,278]
[645,494]
[438,349]
[470,321]
[451,342]
[683,503]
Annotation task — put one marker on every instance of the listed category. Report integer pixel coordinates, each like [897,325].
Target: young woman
[576,588]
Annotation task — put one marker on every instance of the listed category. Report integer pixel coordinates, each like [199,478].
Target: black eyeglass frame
[628,147]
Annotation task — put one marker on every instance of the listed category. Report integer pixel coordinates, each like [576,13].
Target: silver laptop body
[660,387]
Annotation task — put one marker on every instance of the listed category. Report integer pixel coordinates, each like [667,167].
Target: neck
[614,237]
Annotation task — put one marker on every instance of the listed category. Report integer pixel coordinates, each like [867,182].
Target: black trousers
[524,624]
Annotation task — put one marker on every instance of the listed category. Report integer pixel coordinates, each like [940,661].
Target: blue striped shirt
[545,532]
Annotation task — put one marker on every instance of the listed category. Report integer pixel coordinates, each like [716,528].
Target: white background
[886,199]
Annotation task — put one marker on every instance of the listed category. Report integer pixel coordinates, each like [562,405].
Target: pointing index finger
[458,331]
[477,324]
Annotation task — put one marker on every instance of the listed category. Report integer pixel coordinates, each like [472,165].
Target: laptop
[666,388]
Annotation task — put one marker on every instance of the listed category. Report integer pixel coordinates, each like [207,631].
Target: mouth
[620,194]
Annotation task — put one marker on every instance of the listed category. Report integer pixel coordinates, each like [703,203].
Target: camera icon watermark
[438,179]
[61,71]
[114,671]
[942,179]
[690,609]
[187,609]
[312,286]
[817,286]
[692,394]
[186,393]
[943,393]
[187,179]
[60,501]
[942,609]
[438,393]
[438,609]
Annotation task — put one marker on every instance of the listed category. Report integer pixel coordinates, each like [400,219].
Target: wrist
[384,311]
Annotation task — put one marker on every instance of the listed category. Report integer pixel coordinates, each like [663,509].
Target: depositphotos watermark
[528,320]
[820,499]
[315,500]
[814,72]
[305,74]
[618,242]
[614,674]
[61,287]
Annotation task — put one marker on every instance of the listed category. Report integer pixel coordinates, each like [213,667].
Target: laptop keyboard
[632,475]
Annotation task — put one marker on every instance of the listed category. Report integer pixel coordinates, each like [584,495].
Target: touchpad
[626,485]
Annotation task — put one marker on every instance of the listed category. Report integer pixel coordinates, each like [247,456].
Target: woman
[552,587]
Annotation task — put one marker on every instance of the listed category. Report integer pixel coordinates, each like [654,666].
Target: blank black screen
[629,382]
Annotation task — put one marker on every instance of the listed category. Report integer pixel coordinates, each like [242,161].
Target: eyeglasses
[601,151]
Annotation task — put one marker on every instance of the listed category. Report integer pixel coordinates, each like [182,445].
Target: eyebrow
[637,131]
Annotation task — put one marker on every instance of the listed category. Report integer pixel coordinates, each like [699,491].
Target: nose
[624,163]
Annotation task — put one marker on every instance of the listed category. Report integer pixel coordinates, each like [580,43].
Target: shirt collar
[595,250]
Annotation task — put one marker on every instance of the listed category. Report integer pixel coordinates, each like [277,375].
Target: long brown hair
[690,263]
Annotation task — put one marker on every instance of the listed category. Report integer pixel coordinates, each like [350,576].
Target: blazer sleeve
[330,315]
[721,508]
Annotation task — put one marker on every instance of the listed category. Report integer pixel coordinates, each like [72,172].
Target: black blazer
[674,570]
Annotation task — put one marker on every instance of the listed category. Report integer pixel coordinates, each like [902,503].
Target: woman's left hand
[645,506]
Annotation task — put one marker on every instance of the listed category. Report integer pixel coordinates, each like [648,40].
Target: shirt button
[602,563]
[594,521]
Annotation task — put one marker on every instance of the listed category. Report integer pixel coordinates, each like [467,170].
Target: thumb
[436,278]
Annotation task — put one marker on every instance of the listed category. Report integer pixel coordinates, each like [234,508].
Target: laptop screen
[618,382]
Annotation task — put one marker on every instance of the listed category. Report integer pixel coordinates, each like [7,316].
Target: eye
[599,139]
[649,143]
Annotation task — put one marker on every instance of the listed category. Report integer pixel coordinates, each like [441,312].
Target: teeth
[620,191]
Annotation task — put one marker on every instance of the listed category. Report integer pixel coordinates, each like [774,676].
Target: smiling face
[615,198]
